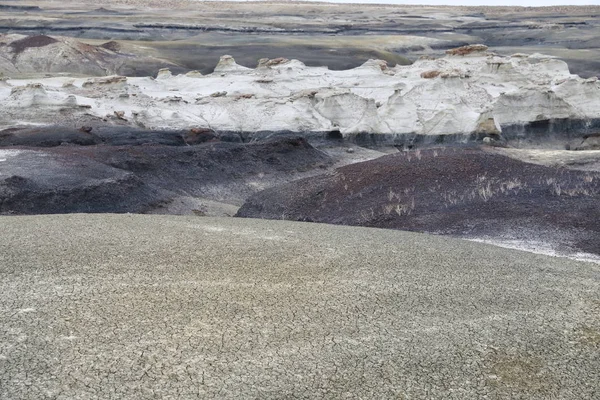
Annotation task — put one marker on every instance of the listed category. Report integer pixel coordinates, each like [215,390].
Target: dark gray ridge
[13,7]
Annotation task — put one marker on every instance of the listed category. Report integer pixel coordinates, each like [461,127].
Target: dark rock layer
[141,177]
[466,192]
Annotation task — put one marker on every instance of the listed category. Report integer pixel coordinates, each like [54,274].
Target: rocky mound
[470,93]
[37,54]
[35,182]
[466,50]
[469,192]
[73,171]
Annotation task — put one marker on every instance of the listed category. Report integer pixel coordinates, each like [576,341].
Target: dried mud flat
[133,306]
[467,192]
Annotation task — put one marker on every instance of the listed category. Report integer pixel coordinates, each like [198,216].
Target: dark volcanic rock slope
[465,192]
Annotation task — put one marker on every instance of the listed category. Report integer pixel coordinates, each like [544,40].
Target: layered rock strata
[468,92]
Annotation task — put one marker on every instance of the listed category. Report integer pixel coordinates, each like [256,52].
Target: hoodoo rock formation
[470,91]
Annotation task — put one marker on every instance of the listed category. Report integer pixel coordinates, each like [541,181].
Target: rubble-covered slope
[466,192]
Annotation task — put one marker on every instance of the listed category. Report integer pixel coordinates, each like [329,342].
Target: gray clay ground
[133,306]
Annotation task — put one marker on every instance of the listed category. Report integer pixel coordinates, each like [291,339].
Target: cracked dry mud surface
[134,306]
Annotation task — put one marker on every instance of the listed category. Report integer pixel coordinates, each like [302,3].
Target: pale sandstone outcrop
[480,92]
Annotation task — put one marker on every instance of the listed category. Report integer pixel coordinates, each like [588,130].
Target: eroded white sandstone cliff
[466,91]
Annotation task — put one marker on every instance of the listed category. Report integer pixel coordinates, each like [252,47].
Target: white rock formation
[467,91]
[35,95]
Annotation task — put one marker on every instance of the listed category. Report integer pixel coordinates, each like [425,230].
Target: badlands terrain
[194,34]
[454,123]
[138,307]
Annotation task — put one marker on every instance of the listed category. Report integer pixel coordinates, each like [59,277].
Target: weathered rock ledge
[468,92]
